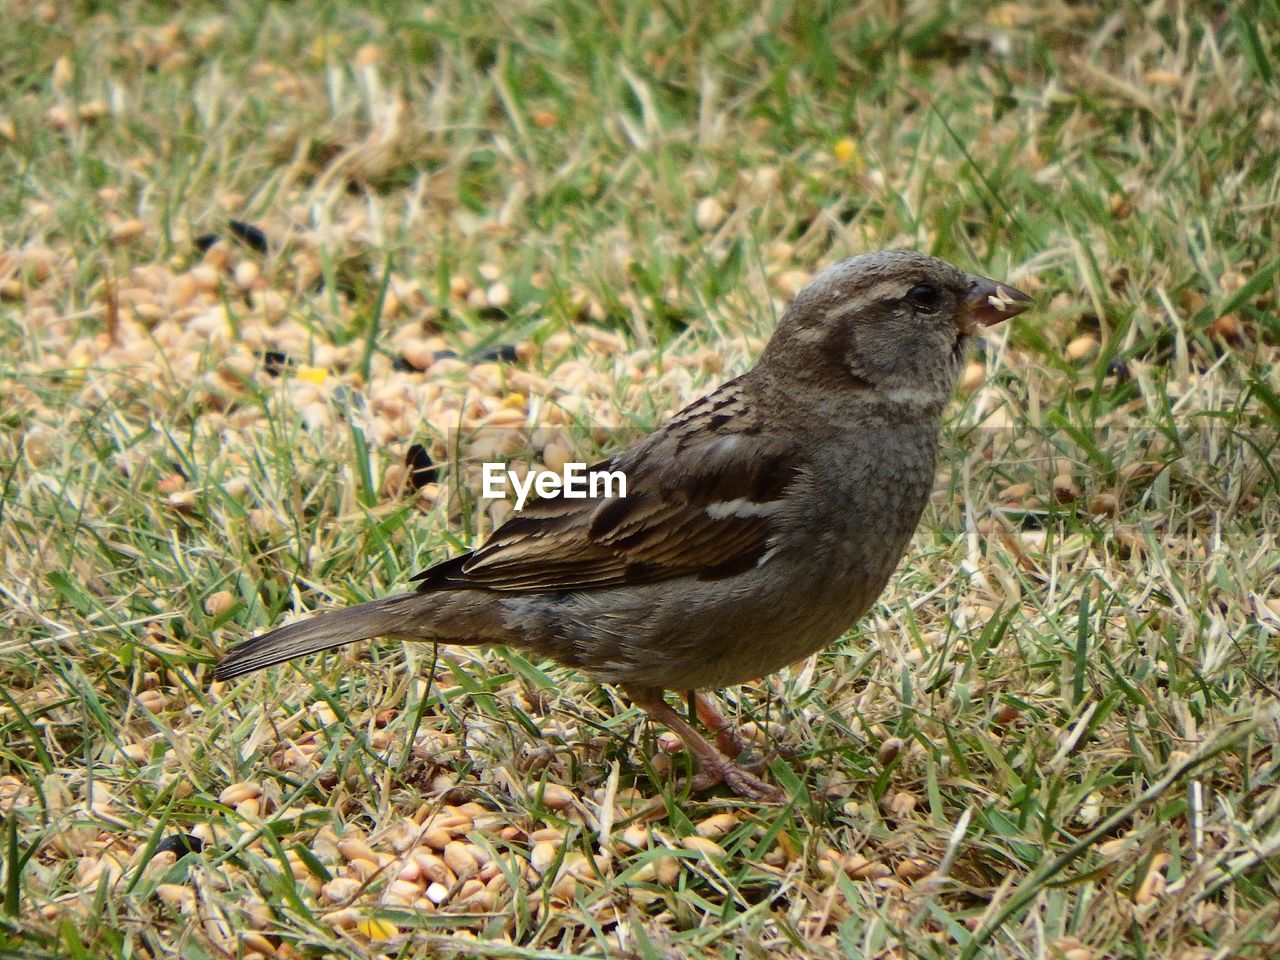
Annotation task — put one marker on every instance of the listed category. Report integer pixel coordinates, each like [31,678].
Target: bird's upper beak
[990,302]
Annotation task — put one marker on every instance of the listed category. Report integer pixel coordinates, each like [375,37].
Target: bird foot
[738,778]
[714,768]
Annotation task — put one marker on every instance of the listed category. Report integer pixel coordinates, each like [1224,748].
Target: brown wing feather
[667,526]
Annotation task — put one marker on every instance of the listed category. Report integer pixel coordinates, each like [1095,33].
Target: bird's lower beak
[989,302]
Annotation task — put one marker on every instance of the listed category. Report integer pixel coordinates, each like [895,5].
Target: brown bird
[759,524]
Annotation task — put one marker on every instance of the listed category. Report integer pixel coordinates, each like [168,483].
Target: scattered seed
[709,214]
[176,895]
[708,848]
[889,750]
[974,376]
[1015,493]
[459,859]
[127,230]
[356,848]
[1006,715]
[1106,504]
[246,273]
[1081,348]
[542,856]
[717,825]
[1226,326]
[1064,488]
[340,890]
[554,796]
[913,870]
[666,870]
[216,604]
[901,803]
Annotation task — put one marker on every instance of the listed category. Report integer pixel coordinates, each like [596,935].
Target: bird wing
[702,500]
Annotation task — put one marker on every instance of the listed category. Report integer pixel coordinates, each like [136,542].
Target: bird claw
[740,779]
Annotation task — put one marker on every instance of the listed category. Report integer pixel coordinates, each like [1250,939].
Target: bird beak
[990,302]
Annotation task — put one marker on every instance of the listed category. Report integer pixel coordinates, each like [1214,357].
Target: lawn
[261,267]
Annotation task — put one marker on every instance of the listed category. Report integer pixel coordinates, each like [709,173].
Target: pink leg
[714,766]
[728,739]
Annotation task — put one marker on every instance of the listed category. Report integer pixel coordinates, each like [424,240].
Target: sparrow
[760,522]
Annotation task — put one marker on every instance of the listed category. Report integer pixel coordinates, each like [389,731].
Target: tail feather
[377,618]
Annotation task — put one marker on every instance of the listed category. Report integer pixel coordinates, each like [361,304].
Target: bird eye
[924,295]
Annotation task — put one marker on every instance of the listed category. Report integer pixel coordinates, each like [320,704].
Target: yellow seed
[845,150]
[377,929]
[238,793]
[257,944]
[316,375]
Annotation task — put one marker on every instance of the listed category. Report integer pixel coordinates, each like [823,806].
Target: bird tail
[390,616]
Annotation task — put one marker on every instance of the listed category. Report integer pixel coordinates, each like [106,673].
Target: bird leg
[730,742]
[713,766]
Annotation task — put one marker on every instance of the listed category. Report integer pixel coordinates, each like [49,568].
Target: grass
[1057,735]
